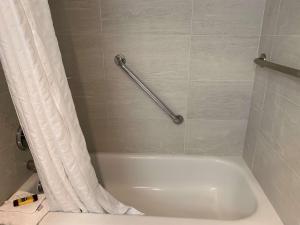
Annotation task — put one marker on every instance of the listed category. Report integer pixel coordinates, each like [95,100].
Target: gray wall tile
[260,87]
[239,17]
[126,100]
[94,131]
[156,38]
[168,16]
[275,140]
[215,137]
[286,85]
[135,135]
[265,45]
[8,120]
[92,89]
[271,117]
[286,50]
[75,17]
[270,22]
[219,100]
[269,163]
[82,56]
[87,108]
[223,57]
[150,56]
[12,160]
[160,136]
[280,183]
[252,135]
[3,84]
[289,18]
[286,133]
[7,166]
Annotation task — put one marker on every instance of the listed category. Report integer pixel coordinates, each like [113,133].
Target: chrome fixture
[23,146]
[31,166]
[21,140]
[39,188]
[120,60]
[263,62]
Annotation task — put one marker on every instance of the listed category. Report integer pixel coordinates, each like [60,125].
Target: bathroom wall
[272,148]
[12,161]
[195,54]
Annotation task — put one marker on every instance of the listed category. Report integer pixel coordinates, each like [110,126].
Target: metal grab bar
[262,61]
[121,62]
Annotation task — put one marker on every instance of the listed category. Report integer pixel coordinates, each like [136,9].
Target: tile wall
[195,54]
[12,161]
[272,147]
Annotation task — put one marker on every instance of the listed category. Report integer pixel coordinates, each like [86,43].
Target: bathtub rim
[264,213]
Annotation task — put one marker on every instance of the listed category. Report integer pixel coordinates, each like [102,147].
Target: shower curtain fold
[38,86]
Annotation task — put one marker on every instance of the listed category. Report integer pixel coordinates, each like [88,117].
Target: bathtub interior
[189,187]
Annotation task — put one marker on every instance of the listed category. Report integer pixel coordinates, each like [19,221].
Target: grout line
[281,35]
[218,120]
[272,151]
[252,94]
[255,144]
[222,81]
[100,11]
[103,62]
[228,35]
[188,81]
[258,129]
[262,26]
[276,31]
[178,34]
[192,17]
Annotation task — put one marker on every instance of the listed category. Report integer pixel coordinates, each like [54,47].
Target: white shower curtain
[37,82]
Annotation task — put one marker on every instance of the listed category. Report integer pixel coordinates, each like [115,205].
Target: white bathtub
[178,190]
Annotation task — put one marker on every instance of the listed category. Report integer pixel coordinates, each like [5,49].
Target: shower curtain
[37,83]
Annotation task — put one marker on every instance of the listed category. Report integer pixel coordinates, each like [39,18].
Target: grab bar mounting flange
[263,62]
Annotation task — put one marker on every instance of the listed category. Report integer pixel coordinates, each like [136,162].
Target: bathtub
[177,190]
